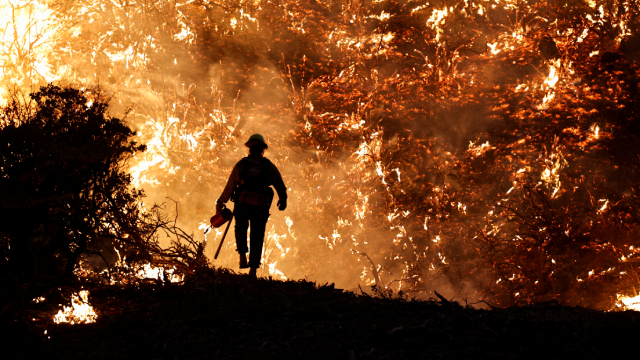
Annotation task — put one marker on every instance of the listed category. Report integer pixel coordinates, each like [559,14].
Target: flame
[595,131]
[80,312]
[148,271]
[493,48]
[554,75]
[604,205]
[28,32]
[437,19]
[275,272]
[628,302]
[479,149]
[551,174]
[550,82]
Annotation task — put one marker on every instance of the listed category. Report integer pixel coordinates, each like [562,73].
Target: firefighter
[249,187]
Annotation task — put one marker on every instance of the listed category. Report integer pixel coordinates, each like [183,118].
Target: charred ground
[227,316]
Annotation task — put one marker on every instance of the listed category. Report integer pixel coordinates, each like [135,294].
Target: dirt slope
[232,317]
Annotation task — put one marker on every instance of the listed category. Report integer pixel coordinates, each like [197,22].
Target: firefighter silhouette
[249,187]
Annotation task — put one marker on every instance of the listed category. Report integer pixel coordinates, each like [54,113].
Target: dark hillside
[235,318]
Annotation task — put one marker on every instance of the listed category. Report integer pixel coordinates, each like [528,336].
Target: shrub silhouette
[63,186]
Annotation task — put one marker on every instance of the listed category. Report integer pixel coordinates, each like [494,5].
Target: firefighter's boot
[252,273]
[243,261]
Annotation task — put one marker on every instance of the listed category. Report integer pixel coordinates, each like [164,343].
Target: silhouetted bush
[63,186]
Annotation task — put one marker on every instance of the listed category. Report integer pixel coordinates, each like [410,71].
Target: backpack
[254,188]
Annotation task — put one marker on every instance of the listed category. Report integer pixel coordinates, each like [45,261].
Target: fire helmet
[256,139]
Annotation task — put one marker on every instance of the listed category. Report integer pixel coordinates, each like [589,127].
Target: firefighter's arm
[233,181]
[280,187]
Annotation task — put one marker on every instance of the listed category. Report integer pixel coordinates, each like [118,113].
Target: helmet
[256,139]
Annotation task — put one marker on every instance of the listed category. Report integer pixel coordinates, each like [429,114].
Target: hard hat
[256,139]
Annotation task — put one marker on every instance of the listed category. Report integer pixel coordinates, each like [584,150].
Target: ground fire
[486,149]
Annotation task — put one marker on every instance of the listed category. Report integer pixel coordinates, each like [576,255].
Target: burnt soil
[233,317]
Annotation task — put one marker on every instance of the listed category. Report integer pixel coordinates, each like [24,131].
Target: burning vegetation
[486,149]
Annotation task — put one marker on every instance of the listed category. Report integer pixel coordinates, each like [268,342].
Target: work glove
[219,206]
[282,204]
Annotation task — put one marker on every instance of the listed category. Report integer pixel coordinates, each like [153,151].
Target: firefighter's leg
[258,226]
[242,225]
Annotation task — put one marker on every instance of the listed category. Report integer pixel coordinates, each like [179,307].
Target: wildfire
[80,312]
[375,100]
